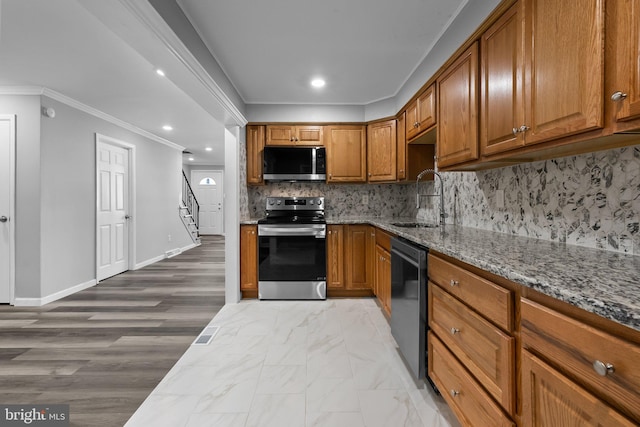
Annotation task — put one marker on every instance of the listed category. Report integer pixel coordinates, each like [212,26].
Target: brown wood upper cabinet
[294,135]
[501,104]
[458,110]
[255,149]
[623,66]
[382,151]
[564,68]
[346,153]
[541,81]
[421,114]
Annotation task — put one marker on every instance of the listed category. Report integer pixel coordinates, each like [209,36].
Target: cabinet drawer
[486,351]
[575,347]
[551,399]
[467,399]
[492,301]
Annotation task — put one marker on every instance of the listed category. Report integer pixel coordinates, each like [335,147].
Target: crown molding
[152,20]
[50,93]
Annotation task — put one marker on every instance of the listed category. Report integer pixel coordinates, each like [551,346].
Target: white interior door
[113,205]
[7,186]
[208,188]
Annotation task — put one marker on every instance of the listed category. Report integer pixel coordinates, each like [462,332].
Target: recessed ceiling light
[317,82]
[167,127]
[209,149]
[160,72]
[191,159]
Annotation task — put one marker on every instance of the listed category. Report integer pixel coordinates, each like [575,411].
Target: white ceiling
[101,54]
[365,49]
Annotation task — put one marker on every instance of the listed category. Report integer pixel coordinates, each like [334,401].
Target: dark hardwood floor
[103,350]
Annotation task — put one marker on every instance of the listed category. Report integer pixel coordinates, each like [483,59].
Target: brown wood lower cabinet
[467,399]
[502,353]
[551,399]
[249,261]
[383,279]
[350,260]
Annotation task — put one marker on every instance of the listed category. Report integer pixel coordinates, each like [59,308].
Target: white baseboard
[36,302]
[191,246]
[149,261]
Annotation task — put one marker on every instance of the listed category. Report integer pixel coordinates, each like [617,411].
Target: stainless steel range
[292,249]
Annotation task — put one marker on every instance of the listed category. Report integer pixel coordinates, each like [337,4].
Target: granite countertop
[602,282]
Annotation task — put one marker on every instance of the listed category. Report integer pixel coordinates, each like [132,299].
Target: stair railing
[189,200]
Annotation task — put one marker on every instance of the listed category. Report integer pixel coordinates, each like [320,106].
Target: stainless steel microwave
[295,164]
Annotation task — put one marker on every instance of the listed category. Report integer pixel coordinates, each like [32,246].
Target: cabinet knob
[515,131]
[369,174]
[454,282]
[454,393]
[603,368]
[329,231]
[618,96]
[454,331]
[416,124]
[522,129]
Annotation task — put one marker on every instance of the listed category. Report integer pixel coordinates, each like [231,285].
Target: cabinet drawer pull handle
[454,393]
[618,96]
[603,368]
[454,331]
[454,282]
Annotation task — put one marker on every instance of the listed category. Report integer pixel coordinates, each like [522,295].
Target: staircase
[189,210]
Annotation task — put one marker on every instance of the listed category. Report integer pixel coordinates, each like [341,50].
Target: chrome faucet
[441,195]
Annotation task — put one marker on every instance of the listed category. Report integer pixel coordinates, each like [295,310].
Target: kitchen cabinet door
[346,153]
[421,114]
[623,63]
[249,261]
[359,257]
[401,148]
[551,399]
[501,90]
[291,135]
[383,279]
[381,151]
[335,256]
[564,68]
[255,152]
[458,110]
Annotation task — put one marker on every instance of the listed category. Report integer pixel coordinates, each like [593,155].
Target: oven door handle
[318,232]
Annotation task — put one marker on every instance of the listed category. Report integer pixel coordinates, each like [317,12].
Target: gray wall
[28,189]
[55,195]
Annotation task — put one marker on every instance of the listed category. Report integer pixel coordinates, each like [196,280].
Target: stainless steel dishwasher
[409,304]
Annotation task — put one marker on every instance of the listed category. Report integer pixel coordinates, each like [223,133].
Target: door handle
[127,217]
[3,218]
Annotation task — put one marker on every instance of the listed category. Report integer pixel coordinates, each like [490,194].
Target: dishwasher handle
[413,254]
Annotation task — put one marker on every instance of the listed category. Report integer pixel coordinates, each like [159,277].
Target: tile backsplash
[590,200]
[340,199]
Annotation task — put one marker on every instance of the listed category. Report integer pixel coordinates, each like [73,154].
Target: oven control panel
[295,203]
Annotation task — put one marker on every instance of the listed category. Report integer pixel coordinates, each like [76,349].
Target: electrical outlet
[169,238]
[500,199]
[365,199]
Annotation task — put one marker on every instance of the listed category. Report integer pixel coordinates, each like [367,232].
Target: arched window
[207,181]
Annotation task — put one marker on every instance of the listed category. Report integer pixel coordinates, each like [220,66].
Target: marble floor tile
[332,395]
[327,363]
[334,419]
[217,420]
[277,410]
[383,408]
[279,379]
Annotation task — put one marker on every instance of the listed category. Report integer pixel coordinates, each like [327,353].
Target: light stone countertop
[602,282]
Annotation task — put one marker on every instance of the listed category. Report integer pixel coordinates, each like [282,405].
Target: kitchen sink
[414,225]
